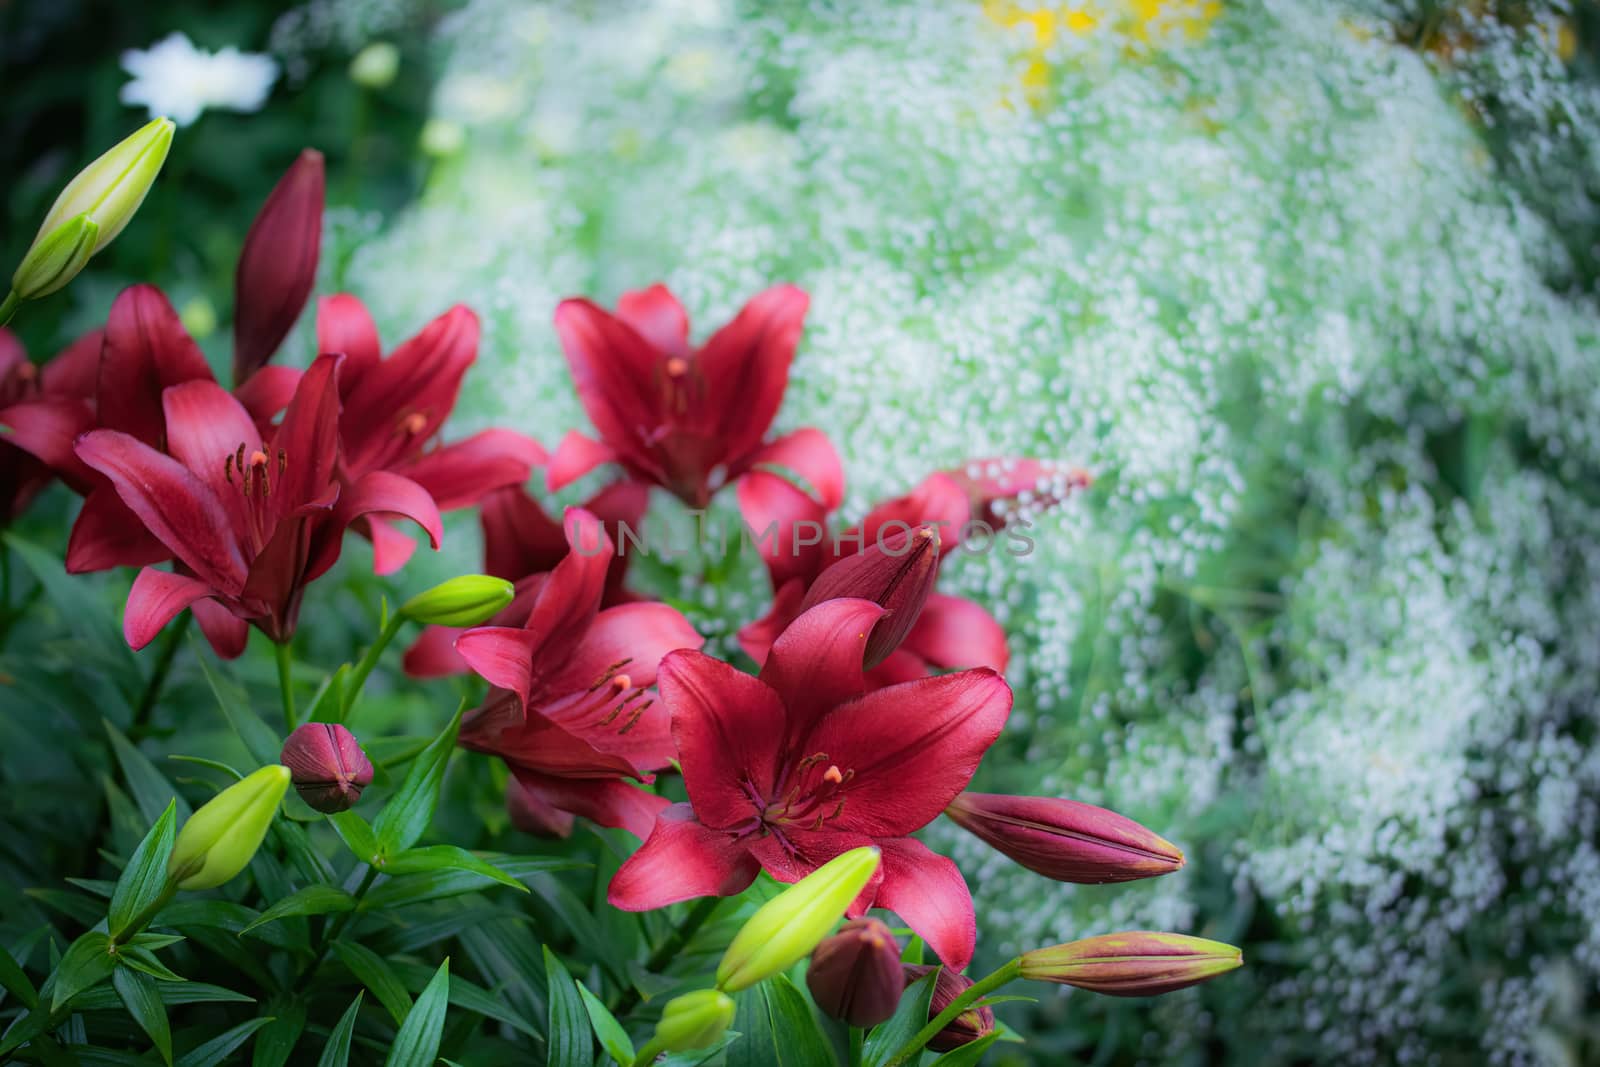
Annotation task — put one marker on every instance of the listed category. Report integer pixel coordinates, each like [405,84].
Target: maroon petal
[788,526]
[225,631]
[955,632]
[615,371]
[267,393]
[108,534]
[308,438]
[209,431]
[434,655]
[500,654]
[174,505]
[391,548]
[815,664]
[574,457]
[679,861]
[519,539]
[278,265]
[607,802]
[46,428]
[76,369]
[928,892]
[156,597]
[146,350]
[912,747]
[344,325]
[461,474]
[634,635]
[656,315]
[809,454]
[400,402]
[569,599]
[938,500]
[377,492]
[746,368]
[729,729]
[531,813]
[756,638]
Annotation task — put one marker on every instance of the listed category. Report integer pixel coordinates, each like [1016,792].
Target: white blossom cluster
[1276,276]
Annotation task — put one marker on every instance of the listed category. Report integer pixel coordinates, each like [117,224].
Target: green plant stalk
[857,1036]
[286,685]
[141,920]
[8,309]
[358,677]
[980,989]
[648,1053]
[332,930]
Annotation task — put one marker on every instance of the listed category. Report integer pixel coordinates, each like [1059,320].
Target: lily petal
[156,597]
[574,457]
[938,500]
[570,597]
[604,801]
[206,429]
[401,402]
[636,635]
[746,368]
[810,454]
[390,547]
[308,438]
[788,525]
[278,264]
[681,860]
[377,492]
[756,637]
[500,654]
[519,539]
[345,325]
[728,727]
[913,747]
[459,475]
[225,632]
[146,350]
[955,632]
[46,428]
[75,371]
[928,892]
[108,534]
[434,655]
[266,393]
[615,372]
[656,315]
[174,505]
[815,664]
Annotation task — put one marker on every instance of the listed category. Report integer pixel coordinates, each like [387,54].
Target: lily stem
[158,675]
[8,309]
[648,1053]
[979,989]
[358,677]
[286,684]
[856,1035]
[669,949]
[141,920]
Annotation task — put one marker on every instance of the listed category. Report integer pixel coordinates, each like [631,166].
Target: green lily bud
[693,1021]
[110,189]
[220,839]
[56,258]
[1139,963]
[786,928]
[465,601]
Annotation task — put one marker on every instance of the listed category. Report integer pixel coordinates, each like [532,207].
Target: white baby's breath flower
[174,78]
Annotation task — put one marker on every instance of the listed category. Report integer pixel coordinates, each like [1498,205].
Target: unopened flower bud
[375,66]
[327,766]
[56,258]
[694,1021]
[465,601]
[897,572]
[1065,839]
[855,974]
[219,840]
[278,264]
[110,189]
[1138,963]
[965,1028]
[786,928]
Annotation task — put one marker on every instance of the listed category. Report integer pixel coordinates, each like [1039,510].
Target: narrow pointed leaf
[966,1055]
[222,1046]
[312,900]
[88,962]
[150,788]
[377,976]
[14,981]
[146,874]
[417,1043]
[570,1043]
[403,820]
[356,834]
[139,996]
[912,1015]
[613,1038]
[447,857]
[336,1053]
[797,1039]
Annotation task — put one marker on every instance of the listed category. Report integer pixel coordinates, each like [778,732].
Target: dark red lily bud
[278,265]
[1064,839]
[855,975]
[896,572]
[327,766]
[965,1028]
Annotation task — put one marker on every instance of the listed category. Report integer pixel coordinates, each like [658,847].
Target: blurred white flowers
[174,78]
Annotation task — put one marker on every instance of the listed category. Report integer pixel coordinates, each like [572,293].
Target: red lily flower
[394,407]
[521,544]
[143,350]
[571,713]
[690,420]
[64,386]
[250,517]
[788,770]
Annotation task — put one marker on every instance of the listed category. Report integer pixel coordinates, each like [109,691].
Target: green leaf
[142,959]
[569,1043]
[966,1055]
[173,994]
[88,962]
[260,740]
[912,1015]
[275,1043]
[216,765]
[752,1018]
[75,906]
[139,996]
[376,975]
[300,852]
[468,996]
[336,1053]
[145,876]
[437,885]
[86,612]
[222,1046]
[417,1043]
[15,982]
[403,820]
[150,788]
[356,835]
[312,900]
[696,1057]
[328,704]
[797,1040]
[446,858]
[613,1038]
